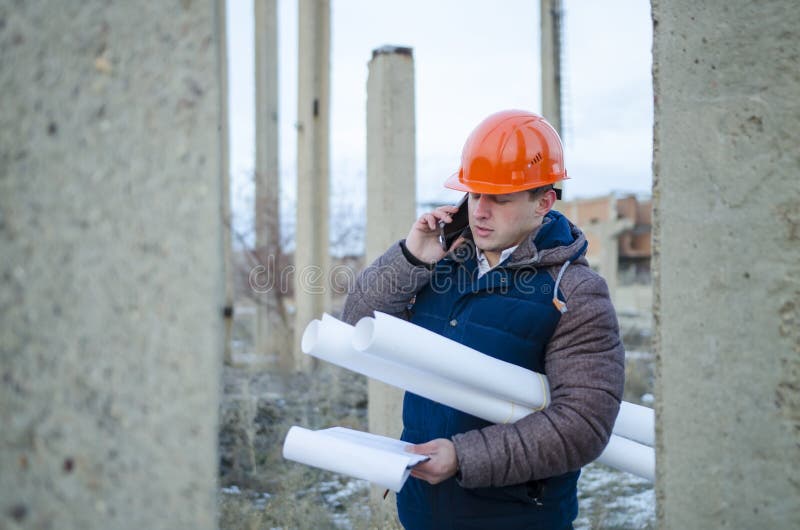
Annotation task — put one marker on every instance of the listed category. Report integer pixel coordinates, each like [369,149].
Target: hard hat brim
[454,183]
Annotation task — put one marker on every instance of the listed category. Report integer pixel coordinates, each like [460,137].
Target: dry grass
[300,497]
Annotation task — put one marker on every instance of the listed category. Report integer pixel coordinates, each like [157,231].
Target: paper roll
[636,423]
[330,340]
[627,455]
[333,341]
[396,339]
[342,454]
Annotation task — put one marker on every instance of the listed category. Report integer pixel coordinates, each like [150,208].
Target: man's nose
[482,208]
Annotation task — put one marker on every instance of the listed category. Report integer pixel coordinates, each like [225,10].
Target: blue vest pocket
[527,493]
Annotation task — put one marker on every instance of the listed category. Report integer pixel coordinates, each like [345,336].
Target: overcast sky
[472,58]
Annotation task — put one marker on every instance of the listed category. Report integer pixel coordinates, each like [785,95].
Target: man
[516,286]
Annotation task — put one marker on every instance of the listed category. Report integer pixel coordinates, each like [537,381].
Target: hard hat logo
[507,152]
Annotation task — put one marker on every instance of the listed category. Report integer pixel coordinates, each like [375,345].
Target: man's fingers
[457,243]
[440,213]
[430,220]
[420,475]
[429,472]
[426,222]
[420,449]
[441,465]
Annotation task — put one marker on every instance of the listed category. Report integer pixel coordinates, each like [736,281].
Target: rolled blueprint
[396,339]
[377,459]
[636,422]
[331,340]
[630,456]
[393,338]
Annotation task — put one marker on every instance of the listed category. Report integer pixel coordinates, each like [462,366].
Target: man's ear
[545,202]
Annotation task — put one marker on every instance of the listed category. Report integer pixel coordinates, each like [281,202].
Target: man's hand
[423,239]
[442,465]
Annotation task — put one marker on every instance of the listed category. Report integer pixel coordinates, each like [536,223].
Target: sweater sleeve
[584,364]
[387,285]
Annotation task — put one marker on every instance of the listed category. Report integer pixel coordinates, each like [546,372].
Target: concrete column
[550,20]
[391,187]
[607,233]
[391,190]
[312,256]
[272,336]
[225,184]
[391,148]
[551,61]
[727,263]
[111,276]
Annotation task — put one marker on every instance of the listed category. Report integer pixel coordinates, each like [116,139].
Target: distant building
[616,226]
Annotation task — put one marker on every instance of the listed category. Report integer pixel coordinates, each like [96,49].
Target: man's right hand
[423,239]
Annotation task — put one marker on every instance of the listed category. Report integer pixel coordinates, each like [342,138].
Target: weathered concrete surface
[225,181]
[273,336]
[550,43]
[727,263]
[551,26]
[391,189]
[110,264]
[391,148]
[312,257]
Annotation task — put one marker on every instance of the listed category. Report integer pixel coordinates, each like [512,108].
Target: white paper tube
[392,338]
[627,455]
[636,423]
[396,339]
[339,455]
[330,340]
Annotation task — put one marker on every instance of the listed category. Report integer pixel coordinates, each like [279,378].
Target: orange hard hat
[510,151]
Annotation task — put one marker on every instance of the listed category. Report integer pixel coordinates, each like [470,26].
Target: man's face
[499,222]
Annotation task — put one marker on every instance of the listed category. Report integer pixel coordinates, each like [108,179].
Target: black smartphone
[449,232]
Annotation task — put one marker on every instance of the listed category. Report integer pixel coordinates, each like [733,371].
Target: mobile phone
[449,232]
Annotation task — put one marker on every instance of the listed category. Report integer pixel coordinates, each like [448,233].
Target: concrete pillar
[225,184]
[727,263]
[608,232]
[311,255]
[550,20]
[111,276]
[551,61]
[608,265]
[391,148]
[391,189]
[272,336]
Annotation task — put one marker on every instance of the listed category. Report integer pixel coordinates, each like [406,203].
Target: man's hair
[535,192]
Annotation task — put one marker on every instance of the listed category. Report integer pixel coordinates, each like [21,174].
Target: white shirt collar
[483,262]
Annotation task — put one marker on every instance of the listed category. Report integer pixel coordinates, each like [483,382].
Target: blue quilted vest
[507,313]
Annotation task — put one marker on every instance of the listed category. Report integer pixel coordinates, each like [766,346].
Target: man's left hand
[442,465]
